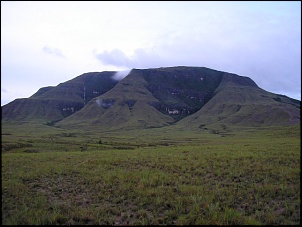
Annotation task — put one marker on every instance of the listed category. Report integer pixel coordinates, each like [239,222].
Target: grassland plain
[150,177]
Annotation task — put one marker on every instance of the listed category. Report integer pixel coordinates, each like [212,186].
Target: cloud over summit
[121,74]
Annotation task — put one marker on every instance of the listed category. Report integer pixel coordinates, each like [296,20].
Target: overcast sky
[47,43]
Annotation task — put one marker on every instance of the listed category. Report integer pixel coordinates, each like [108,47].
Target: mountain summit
[191,97]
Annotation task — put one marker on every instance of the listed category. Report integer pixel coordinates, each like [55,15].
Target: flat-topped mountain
[191,97]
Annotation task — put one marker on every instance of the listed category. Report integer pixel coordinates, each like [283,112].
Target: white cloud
[121,74]
[53,51]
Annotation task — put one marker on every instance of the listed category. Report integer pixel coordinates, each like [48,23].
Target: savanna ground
[150,177]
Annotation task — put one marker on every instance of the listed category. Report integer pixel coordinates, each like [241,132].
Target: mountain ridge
[191,97]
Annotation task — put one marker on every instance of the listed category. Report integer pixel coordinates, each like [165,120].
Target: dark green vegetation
[150,176]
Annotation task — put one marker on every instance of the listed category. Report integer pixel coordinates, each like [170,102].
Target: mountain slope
[56,103]
[244,104]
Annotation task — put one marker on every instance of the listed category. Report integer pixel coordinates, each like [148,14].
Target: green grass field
[150,177]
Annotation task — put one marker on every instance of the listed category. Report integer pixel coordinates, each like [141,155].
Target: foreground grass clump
[249,178]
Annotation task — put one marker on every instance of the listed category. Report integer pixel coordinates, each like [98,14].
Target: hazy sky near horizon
[47,43]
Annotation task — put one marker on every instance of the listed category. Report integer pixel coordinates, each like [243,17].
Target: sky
[48,43]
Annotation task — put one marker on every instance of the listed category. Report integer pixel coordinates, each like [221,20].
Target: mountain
[188,97]
[52,104]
